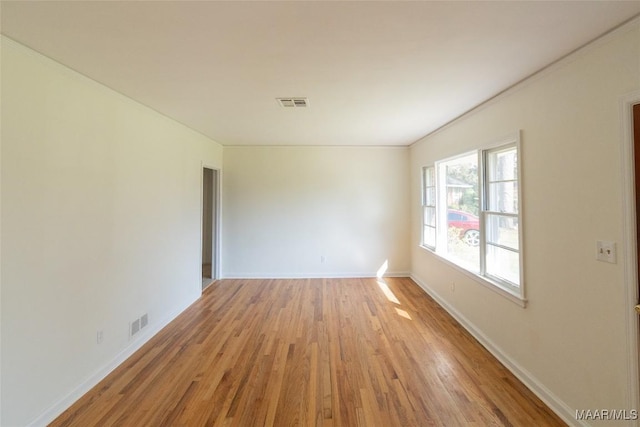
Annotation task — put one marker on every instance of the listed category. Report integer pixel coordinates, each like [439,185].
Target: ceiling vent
[293,102]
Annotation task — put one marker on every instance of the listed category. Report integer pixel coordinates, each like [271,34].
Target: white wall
[571,338]
[101,223]
[286,207]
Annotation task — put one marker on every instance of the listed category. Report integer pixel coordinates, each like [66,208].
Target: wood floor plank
[311,352]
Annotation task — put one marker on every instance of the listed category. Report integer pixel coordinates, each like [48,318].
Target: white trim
[216,272]
[314,275]
[630,256]
[518,291]
[551,400]
[201,227]
[513,292]
[63,404]
[218,225]
[433,206]
[521,245]
[482,280]
[218,243]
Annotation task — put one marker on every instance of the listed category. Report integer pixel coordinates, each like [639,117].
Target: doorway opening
[210,227]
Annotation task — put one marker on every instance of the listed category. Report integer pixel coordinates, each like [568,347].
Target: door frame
[630,246]
[217,222]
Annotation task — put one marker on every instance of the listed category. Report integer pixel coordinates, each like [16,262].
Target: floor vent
[135,327]
[138,324]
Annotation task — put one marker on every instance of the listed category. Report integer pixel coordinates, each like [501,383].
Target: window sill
[487,283]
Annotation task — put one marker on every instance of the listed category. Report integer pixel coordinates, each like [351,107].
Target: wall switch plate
[606,251]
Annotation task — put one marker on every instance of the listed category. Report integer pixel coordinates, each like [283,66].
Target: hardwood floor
[316,352]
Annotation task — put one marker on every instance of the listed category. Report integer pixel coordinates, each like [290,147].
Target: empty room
[322,213]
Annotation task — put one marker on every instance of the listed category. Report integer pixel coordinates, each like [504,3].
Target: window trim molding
[511,140]
[514,294]
[424,205]
[630,254]
[482,280]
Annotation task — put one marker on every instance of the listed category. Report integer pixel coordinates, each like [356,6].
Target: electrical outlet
[144,320]
[606,251]
[99,336]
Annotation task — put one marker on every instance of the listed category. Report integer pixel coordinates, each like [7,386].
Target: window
[429,207]
[501,216]
[458,195]
[472,216]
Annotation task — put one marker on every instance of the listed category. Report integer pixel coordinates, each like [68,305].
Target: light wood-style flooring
[311,352]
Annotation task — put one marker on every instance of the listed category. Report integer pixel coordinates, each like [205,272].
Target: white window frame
[511,291]
[485,211]
[426,205]
[442,214]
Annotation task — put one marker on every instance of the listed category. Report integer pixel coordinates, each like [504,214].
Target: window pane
[463,240]
[462,183]
[502,230]
[503,164]
[463,248]
[429,210]
[429,237]
[503,197]
[503,264]
[430,216]
[429,177]
[463,225]
[430,199]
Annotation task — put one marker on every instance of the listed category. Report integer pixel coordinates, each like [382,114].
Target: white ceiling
[375,73]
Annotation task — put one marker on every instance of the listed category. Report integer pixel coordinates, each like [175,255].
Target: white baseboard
[312,275]
[550,399]
[63,404]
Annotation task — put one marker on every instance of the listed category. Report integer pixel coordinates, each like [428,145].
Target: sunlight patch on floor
[403,313]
